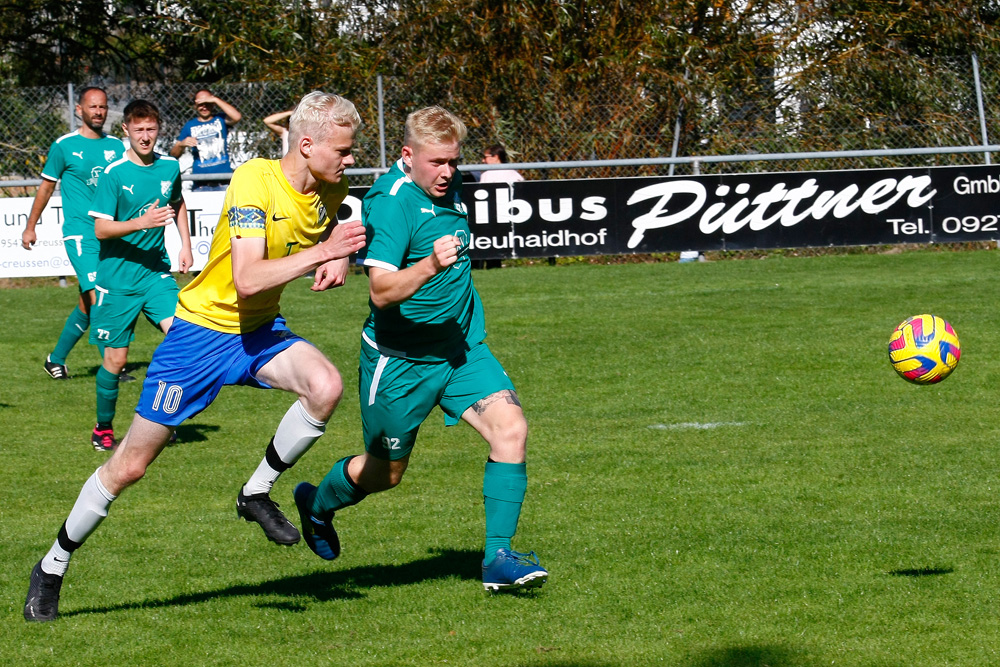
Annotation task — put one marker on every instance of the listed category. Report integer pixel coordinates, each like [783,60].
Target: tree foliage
[729,71]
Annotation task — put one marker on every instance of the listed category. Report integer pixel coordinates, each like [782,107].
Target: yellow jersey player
[277,225]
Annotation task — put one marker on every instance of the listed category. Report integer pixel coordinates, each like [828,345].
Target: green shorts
[82,251]
[113,318]
[398,394]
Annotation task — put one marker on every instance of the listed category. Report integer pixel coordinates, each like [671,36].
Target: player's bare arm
[333,273]
[391,288]
[45,190]
[330,275]
[185,258]
[155,216]
[177,149]
[253,272]
[233,115]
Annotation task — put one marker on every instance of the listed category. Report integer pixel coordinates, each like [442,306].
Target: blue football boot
[320,535]
[511,570]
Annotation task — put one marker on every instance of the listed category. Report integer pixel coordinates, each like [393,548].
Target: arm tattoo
[508,395]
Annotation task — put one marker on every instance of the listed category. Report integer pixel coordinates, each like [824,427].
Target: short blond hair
[317,112]
[433,125]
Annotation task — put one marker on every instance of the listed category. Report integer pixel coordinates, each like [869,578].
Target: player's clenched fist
[446,252]
[346,239]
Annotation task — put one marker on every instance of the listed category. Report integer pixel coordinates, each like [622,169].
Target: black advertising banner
[729,212]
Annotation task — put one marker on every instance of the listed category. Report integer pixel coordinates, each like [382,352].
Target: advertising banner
[641,215]
[734,212]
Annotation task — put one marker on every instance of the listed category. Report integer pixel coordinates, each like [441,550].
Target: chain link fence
[929,105]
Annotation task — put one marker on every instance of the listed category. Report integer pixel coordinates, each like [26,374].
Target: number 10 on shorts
[170,396]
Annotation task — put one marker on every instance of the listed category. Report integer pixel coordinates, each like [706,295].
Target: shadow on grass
[131,367]
[324,586]
[921,571]
[194,432]
[751,656]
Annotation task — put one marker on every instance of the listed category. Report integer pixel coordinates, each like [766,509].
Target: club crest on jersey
[459,206]
[321,214]
[109,156]
[166,187]
[463,239]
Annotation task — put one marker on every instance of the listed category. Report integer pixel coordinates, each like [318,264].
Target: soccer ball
[924,349]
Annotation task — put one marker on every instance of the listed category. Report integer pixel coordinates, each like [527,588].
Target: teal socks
[336,491]
[107,395]
[76,325]
[504,486]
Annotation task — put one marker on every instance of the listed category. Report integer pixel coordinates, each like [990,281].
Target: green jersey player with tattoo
[423,346]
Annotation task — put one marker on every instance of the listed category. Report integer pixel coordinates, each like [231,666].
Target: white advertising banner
[48,257]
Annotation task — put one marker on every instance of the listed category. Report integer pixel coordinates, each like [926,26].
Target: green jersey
[79,162]
[444,318]
[125,192]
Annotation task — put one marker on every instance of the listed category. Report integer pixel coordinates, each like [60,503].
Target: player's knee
[115,359]
[133,472]
[394,478]
[512,434]
[517,431]
[325,390]
[390,479]
[123,473]
[378,475]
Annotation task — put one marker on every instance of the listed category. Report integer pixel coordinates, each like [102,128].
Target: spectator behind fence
[274,123]
[206,135]
[497,154]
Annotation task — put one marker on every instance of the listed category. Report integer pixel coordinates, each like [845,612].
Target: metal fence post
[70,117]
[381,124]
[677,127]
[979,102]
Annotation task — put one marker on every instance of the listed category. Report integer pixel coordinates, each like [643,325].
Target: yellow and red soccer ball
[924,349]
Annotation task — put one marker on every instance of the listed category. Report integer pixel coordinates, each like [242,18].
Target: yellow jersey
[259,203]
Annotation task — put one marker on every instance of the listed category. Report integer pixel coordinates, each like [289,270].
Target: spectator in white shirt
[497,154]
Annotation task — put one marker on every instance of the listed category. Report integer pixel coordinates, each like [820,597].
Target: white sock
[296,433]
[87,514]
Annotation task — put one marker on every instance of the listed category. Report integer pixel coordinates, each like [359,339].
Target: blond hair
[317,112]
[433,125]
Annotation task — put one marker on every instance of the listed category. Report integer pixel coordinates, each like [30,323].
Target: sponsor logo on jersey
[129,188]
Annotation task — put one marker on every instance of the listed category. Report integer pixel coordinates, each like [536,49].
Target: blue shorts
[193,363]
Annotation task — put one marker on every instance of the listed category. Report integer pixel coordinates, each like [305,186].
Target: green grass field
[723,471]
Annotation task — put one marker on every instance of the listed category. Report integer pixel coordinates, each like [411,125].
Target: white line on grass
[694,425]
